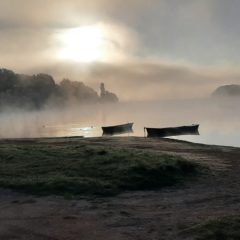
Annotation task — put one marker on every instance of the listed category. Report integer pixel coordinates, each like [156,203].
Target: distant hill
[228,91]
[38,91]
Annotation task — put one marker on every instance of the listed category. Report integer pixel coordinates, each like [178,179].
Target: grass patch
[227,228]
[77,169]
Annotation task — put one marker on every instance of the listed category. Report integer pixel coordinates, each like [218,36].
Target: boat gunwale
[121,125]
[194,125]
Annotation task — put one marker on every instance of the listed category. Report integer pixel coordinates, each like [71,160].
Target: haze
[155,51]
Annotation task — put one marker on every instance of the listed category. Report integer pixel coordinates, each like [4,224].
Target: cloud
[203,32]
[61,13]
[26,48]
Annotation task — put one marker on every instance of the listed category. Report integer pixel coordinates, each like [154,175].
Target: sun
[83,44]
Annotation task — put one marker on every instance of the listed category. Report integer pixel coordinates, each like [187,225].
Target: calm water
[219,121]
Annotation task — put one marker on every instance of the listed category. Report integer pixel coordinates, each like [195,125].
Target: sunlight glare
[83,44]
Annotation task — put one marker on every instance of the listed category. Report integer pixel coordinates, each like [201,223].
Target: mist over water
[219,120]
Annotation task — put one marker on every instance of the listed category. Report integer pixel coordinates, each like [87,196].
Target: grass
[71,169]
[227,228]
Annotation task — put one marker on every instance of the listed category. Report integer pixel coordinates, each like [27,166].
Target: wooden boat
[172,131]
[117,129]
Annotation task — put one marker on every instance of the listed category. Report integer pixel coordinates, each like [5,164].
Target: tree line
[39,91]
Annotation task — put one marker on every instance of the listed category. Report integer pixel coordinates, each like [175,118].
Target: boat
[117,129]
[172,131]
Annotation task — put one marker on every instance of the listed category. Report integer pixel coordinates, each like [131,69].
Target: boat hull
[173,131]
[117,129]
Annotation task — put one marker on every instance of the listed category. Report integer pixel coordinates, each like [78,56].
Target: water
[219,121]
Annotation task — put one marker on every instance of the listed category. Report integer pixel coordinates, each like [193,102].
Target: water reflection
[71,130]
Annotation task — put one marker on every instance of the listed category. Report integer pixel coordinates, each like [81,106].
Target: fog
[219,120]
[151,95]
[142,80]
[163,60]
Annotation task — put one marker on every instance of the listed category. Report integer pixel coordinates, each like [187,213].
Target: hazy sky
[162,44]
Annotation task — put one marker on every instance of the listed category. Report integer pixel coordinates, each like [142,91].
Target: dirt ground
[163,214]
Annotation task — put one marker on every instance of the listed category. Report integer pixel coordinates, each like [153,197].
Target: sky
[161,48]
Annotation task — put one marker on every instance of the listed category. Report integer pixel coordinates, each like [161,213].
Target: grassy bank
[227,228]
[79,169]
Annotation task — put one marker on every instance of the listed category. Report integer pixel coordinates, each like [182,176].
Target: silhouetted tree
[37,91]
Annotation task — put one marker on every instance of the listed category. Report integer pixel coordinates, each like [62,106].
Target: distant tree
[8,79]
[77,91]
[38,91]
[106,96]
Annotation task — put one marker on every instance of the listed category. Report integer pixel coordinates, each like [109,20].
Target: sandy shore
[162,214]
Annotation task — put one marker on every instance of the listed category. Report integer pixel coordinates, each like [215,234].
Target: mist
[151,95]
[219,120]
[139,80]
[165,60]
